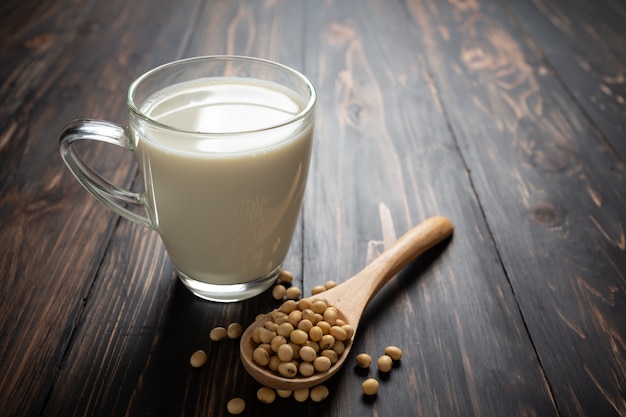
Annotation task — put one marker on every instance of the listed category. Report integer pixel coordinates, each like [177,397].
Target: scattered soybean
[293,293]
[330,284]
[198,359]
[363,360]
[285,277]
[385,363]
[236,406]
[234,330]
[266,395]
[218,333]
[318,289]
[370,386]
[394,352]
[278,292]
[284,393]
[301,395]
[319,393]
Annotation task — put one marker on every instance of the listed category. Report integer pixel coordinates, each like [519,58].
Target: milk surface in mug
[226,207]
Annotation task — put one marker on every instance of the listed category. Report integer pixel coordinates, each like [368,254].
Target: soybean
[349,330]
[330,284]
[274,363]
[284,393]
[285,329]
[278,292]
[301,395]
[287,369]
[266,336]
[277,342]
[299,337]
[324,325]
[304,303]
[305,325]
[306,369]
[308,354]
[314,345]
[322,364]
[293,293]
[266,347]
[266,395]
[308,314]
[363,360]
[339,333]
[394,352]
[296,350]
[198,359]
[288,306]
[330,316]
[319,306]
[278,317]
[370,386]
[294,318]
[217,334]
[236,406]
[318,289]
[319,393]
[261,357]
[285,276]
[256,335]
[385,363]
[330,354]
[339,347]
[234,330]
[285,353]
[327,342]
[316,333]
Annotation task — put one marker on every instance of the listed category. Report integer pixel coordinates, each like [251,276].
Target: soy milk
[225,206]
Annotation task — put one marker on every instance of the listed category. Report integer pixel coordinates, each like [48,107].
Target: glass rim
[304,112]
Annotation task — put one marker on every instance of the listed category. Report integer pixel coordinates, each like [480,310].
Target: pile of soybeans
[301,338]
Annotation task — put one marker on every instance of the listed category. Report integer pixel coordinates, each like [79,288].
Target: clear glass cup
[223,144]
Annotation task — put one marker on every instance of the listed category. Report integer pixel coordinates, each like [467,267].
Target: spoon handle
[359,290]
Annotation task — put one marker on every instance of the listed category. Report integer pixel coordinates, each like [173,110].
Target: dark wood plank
[585,43]
[385,160]
[42,286]
[53,233]
[115,337]
[169,386]
[503,115]
[32,37]
[552,191]
[140,325]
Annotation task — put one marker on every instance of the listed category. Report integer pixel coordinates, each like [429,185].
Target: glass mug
[223,144]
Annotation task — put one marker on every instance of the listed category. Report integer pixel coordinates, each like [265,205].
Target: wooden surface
[507,116]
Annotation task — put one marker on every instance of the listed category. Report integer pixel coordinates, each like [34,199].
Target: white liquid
[225,208]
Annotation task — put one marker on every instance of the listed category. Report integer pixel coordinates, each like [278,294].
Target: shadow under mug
[223,144]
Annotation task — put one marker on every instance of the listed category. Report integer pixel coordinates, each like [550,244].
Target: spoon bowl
[350,298]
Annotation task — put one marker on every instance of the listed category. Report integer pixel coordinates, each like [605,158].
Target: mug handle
[116,198]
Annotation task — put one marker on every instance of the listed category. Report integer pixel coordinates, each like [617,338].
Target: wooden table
[507,116]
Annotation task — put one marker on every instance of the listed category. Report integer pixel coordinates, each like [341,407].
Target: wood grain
[148,368]
[543,194]
[350,298]
[387,141]
[55,236]
[584,43]
[506,116]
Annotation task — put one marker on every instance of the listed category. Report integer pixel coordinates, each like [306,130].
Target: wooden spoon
[351,298]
